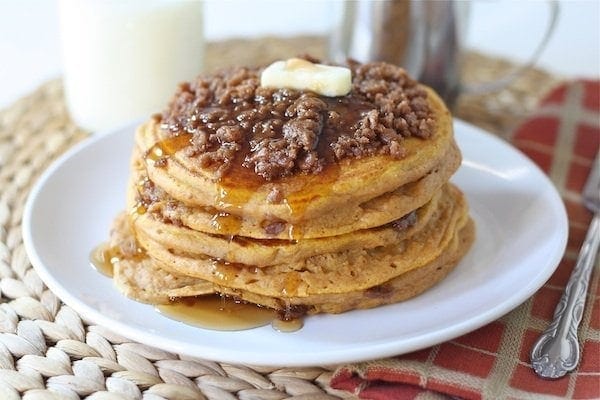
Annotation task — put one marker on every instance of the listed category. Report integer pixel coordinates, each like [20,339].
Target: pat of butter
[296,73]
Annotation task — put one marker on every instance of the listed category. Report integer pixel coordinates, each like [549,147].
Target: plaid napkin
[562,137]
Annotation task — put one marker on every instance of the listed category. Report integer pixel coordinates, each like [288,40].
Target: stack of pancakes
[362,232]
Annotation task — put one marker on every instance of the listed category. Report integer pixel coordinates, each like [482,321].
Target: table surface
[29,36]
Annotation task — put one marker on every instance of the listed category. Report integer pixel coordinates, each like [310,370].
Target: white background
[30,55]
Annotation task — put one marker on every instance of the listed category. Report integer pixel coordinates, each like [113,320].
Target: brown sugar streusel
[276,133]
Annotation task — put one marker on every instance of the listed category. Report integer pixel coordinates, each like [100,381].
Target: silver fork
[556,351]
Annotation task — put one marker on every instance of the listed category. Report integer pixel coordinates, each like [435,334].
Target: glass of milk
[123,59]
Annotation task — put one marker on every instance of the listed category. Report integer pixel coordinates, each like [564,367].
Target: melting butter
[295,73]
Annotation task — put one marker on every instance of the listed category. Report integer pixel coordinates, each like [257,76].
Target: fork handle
[556,351]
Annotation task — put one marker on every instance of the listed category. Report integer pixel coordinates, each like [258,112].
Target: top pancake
[305,196]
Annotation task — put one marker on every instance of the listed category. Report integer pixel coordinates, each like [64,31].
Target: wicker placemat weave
[48,351]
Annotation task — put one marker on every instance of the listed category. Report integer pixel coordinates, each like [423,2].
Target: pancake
[290,199]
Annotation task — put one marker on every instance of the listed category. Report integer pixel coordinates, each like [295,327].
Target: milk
[123,59]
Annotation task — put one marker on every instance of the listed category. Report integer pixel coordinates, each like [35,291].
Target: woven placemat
[48,351]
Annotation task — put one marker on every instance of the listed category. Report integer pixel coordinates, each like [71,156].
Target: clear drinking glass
[122,59]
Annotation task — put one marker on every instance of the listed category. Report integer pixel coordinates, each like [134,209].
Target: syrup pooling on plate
[103,258]
[225,313]
[217,312]
[292,325]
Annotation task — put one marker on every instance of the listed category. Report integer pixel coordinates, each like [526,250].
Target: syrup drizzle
[138,209]
[291,282]
[165,148]
[225,223]
[224,271]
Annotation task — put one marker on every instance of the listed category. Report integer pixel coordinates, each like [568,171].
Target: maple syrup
[292,325]
[225,223]
[217,313]
[167,147]
[291,282]
[103,258]
[138,209]
[224,271]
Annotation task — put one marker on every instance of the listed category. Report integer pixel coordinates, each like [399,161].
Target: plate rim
[374,350]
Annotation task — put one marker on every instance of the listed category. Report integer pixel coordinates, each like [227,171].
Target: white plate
[521,235]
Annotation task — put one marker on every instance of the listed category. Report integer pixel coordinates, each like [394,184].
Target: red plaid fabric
[562,137]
